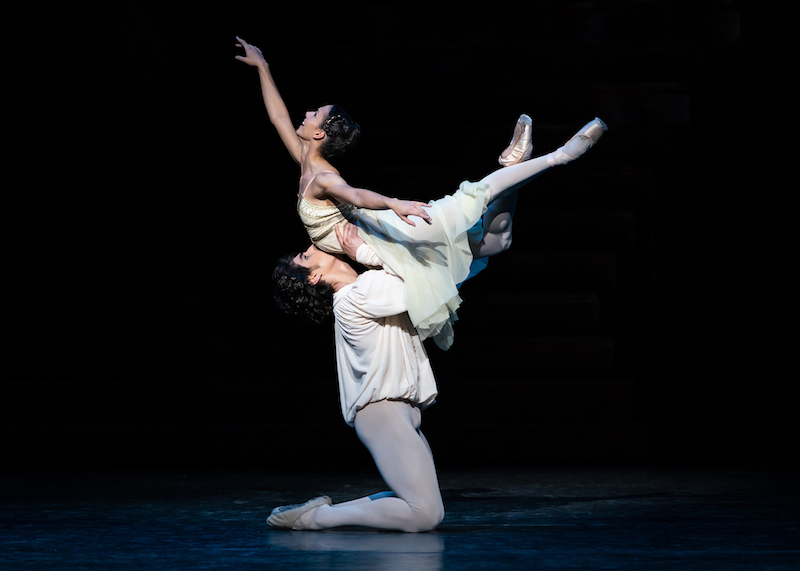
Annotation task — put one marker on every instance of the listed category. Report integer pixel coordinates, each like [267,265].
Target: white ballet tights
[497,221]
[498,218]
[509,179]
[505,182]
[390,431]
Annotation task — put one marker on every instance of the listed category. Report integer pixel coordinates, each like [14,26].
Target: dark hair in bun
[341,133]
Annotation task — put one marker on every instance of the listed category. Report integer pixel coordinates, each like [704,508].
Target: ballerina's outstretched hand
[406,208]
[252,55]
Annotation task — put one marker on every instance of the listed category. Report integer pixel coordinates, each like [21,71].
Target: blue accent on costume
[478,265]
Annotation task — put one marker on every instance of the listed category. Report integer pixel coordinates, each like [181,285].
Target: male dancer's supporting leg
[390,431]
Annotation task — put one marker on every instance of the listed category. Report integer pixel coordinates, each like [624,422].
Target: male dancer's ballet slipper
[285,517]
[521,146]
[580,142]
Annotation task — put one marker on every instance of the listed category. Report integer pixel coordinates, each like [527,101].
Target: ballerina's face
[311,127]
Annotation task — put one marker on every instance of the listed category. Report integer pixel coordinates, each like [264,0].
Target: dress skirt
[433,259]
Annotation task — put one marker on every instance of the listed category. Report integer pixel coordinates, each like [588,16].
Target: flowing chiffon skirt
[433,260]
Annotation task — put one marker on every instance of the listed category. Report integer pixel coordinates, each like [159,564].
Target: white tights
[505,182]
[499,215]
[390,431]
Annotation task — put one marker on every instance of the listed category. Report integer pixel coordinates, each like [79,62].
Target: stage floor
[537,518]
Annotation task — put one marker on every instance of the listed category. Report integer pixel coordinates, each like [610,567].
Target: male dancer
[385,381]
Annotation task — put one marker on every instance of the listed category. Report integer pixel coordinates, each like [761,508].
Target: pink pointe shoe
[521,146]
[580,142]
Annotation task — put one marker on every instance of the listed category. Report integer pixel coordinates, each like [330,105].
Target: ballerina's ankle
[558,157]
[577,145]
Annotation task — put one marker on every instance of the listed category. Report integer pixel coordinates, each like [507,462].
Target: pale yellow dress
[432,259]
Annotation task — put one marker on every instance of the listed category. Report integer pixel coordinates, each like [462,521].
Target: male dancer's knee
[427,518]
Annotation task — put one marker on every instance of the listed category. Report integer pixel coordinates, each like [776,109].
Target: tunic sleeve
[366,256]
[378,294]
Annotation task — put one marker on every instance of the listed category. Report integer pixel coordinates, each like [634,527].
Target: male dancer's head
[305,283]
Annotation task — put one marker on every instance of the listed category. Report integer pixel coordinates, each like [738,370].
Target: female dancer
[385,379]
[432,271]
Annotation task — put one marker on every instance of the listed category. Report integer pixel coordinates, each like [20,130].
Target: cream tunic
[431,259]
[379,354]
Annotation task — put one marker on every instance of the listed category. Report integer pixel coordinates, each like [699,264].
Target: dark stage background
[644,314]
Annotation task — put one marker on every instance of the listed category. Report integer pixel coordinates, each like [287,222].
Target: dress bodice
[320,220]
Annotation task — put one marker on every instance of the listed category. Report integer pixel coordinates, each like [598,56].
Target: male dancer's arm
[357,250]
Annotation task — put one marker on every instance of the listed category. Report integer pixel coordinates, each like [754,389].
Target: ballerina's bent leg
[497,223]
[505,183]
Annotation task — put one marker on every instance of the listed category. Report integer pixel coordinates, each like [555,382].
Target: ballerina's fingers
[406,208]
[251,53]
[420,206]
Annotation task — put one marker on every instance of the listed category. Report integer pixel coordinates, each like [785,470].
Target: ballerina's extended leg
[509,179]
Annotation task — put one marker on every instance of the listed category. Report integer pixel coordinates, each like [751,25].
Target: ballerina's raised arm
[324,133]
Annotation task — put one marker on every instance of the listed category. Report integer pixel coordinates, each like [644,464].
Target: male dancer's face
[314,259]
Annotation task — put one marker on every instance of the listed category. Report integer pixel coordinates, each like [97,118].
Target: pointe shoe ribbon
[286,517]
[521,146]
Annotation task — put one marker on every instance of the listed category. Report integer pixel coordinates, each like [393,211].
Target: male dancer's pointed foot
[580,142]
[521,146]
[287,517]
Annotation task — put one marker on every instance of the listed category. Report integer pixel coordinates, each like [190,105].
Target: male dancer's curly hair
[296,296]
[341,133]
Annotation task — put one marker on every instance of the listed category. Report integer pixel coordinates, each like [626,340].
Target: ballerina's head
[332,128]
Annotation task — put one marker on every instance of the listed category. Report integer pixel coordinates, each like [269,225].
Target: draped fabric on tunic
[379,354]
[433,260]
